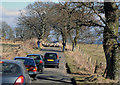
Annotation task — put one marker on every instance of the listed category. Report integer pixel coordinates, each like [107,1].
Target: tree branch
[95,13]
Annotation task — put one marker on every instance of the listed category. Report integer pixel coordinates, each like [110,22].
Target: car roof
[50,53]
[12,61]
[24,57]
[34,54]
[19,63]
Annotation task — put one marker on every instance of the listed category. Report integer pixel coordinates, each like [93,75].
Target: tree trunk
[73,46]
[63,40]
[75,40]
[73,43]
[64,44]
[110,44]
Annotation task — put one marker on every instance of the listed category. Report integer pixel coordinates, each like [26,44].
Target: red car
[29,64]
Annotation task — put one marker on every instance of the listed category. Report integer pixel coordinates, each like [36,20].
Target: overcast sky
[10,10]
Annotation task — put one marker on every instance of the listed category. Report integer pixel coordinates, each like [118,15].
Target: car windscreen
[50,56]
[35,57]
[26,61]
[9,68]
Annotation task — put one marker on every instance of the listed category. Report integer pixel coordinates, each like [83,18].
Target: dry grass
[96,52]
[1,48]
[86,56]
[82,68]
[77,63]
[11,50]
[92,79]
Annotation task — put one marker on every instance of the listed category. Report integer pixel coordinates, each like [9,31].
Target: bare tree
[6,31]
[70,17]
[36,19]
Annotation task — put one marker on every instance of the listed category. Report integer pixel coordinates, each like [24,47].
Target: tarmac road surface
[53,75]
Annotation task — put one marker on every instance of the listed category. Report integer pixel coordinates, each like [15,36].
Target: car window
[26,61]
[9,68]
[24,68]
[42,56]
[35,57]
[50,56]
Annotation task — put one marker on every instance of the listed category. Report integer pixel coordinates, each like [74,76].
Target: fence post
[89,59]
[79,48]
[96,67]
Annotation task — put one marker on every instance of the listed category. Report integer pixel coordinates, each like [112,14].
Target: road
[54,75]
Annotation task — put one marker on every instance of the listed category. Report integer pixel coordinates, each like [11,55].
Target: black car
[13,73]
[29,64]
[51,59]
[38,60]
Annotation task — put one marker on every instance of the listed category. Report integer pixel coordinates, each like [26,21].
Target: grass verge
[79,68]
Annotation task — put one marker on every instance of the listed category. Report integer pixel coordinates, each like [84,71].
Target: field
[11,49]
[89,54]
[8,47]
[94,51]
[81,63]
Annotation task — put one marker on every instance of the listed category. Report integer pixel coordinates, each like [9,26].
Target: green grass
[96,52]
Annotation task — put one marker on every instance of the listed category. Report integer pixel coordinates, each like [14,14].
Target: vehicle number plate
[50,60]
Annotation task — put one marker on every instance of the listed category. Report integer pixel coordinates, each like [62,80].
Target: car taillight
[41,61]
[35,69]
[20,80]
[57,57]
[1,62]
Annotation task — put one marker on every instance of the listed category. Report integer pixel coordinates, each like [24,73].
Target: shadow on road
[49,67]
[62,81]
[50,50]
